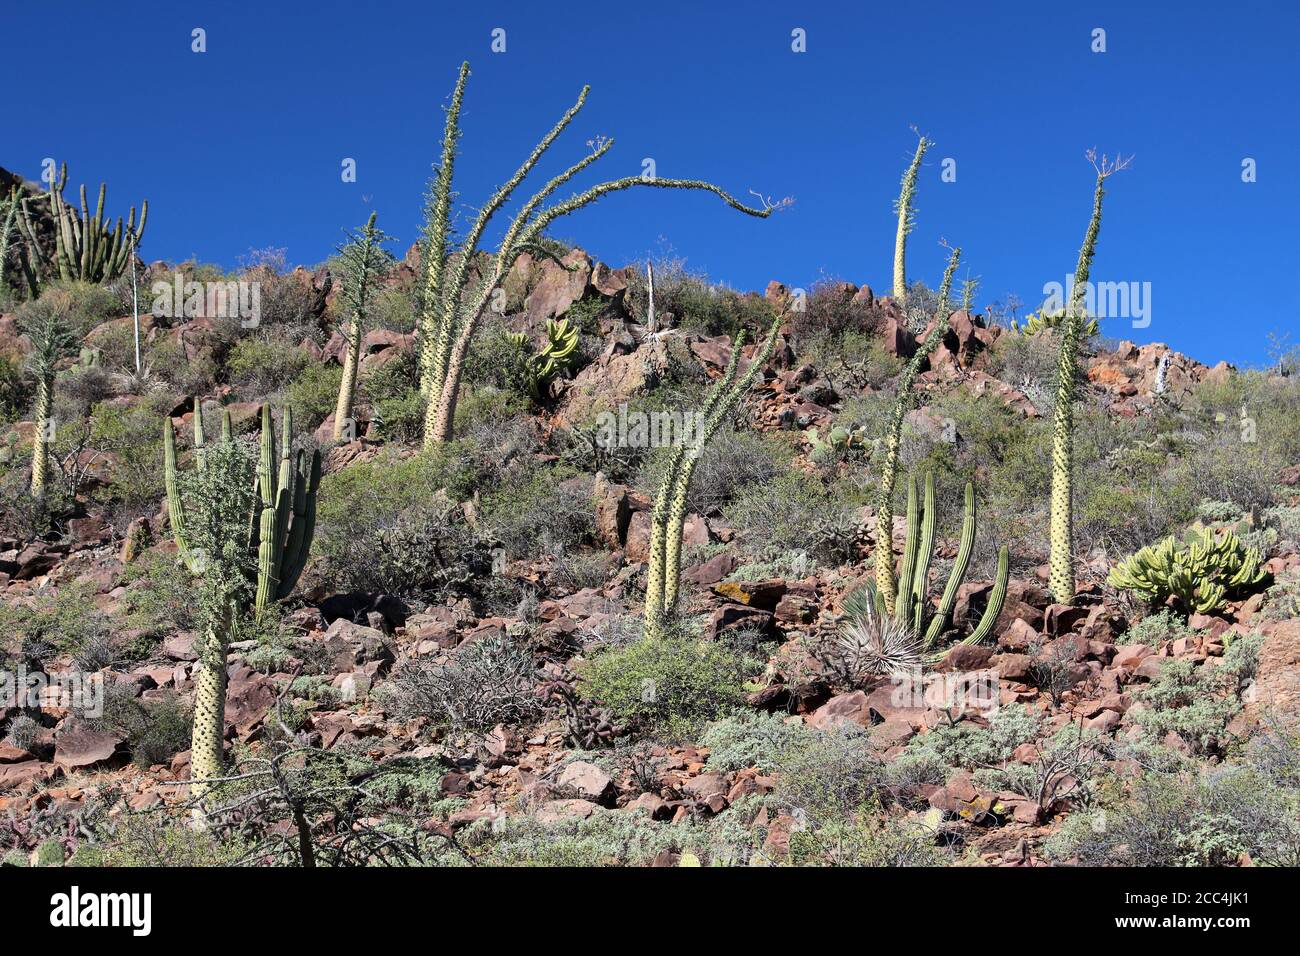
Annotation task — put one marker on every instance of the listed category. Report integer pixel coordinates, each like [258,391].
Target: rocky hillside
[458,676]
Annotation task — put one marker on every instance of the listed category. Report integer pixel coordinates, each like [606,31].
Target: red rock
[586,781]
[553,811]
[80,746]
[850,708]
[1012,666]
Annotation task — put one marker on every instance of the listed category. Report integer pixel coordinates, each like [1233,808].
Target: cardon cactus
[1202,572]
[913,588]
[559,355]
[279,521]
[86,249]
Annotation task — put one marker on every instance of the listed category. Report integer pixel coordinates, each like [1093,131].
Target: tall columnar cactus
[1074,326]
[663,575]
[85,248]
[8,223]
[906,219]
[364,261]
[46,327]
[451,310]
[277,515]
[913,585]
[893,440]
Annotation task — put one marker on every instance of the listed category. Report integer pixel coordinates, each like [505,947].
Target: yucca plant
[664,573]
[45,323]
[1201,572]
[905,207]
[244,532]
[894,438]
[364,262]
[451,309]
[1073,328]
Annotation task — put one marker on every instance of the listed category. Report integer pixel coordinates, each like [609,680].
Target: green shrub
[668,686]
[752,739]
[313,394]
[1187,701]
[795,513]
[1156,629]
[830,775]
[155,732]
[531,513]
[260,364]
[400,419]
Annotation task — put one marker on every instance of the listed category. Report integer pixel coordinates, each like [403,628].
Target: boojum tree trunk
[1061,564]
[906,217]
[41,435]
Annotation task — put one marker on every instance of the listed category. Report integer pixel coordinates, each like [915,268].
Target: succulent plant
[1202,571]
[558,355]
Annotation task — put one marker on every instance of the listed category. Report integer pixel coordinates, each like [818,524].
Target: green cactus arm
[299,545]
[266,558]
[227,427]
[964,551]
[175,507]
[903,610]
[924,555]
[266,460]
[997,598]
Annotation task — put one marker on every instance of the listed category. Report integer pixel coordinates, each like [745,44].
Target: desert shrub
[23,731]
[287,296]
[392,526]
[854,358]
[400,419]
[969,745]
[694,302]
[830,311]
[533,512]
[61,620]
[153,840]
[752,739]
[260,364]
[87,304]
[394,379]
[132,435]
[81,388]
[1209,818]
[166,358]
[1155,629]
[157,600]
[495,360]
[730,463]
[313,394]
[866,837]
[480,684]
[830,774]
[155,731]
[13,390]
[1189,702]
[794,513]
[668,686]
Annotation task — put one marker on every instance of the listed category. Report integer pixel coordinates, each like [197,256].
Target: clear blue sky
[240,147]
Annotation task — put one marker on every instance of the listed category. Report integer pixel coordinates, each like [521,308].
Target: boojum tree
[364,261]
[451,308]
[663,575]
[905,207]
[1073,327]
[46,328]
[893,439]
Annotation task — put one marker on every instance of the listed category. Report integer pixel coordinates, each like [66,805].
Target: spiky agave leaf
[871,642]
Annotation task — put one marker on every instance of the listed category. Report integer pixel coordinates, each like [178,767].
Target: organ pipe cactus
[664,573]
[913,586]
[894,437]
[906,219]
[451,310]
[85,248]
[364,260]
[278,521]
[1074,327]
[1201,572]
